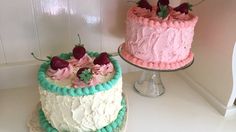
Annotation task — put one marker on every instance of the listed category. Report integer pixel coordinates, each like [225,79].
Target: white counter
[180,109]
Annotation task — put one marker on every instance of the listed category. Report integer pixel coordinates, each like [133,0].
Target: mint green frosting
[67,91]
[47,127]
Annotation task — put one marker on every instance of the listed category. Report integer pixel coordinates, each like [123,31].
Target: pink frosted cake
[158,38]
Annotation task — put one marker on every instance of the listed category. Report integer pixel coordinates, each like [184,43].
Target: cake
[81,92]
[159,37]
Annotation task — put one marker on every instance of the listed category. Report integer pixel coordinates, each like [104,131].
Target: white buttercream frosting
[82,113]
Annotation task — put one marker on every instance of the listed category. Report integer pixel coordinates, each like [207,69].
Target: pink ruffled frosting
[60,74]
[103,69]
[77,83]
[85,61]
[152,39]
[156,65]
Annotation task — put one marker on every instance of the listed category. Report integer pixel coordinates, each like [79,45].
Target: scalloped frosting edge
[151,23]
[156,65]
[47,127]
[46,85]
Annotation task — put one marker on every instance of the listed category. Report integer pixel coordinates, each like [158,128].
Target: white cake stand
[34,126]
[150,84]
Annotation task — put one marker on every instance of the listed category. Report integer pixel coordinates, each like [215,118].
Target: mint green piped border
[67,91]
[47,127]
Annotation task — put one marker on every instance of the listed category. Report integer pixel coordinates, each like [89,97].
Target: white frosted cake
[81,92]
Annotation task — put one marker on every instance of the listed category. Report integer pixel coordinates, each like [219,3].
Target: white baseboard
[220,107]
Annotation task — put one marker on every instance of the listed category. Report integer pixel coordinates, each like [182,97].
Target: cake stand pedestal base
[150,84]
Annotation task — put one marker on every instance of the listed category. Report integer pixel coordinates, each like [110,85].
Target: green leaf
[86,76]
[190,7]
[49,57]
[163,12]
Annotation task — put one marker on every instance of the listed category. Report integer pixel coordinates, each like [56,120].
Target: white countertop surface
[180,109]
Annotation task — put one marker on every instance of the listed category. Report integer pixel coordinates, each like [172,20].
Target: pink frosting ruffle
[85,61]
[60,74]
[156,65]
[77,83]
[103,69]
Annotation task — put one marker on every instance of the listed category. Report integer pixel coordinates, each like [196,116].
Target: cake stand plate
[34,126]
[150,84]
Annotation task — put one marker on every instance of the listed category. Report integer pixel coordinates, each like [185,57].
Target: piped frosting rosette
[60,74]
[103,69]
[98,73]
[82,62]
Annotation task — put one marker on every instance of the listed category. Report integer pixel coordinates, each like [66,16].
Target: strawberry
[102,59]
[79,52]
[144,4]
[184,8]
[58,63]
[80,71]
[163,2]
[163,8]
[55,62]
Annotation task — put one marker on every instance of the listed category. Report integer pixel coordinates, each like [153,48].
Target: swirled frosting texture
[155,40]
[84,61]
[84,113]
[60,74]
[103,69]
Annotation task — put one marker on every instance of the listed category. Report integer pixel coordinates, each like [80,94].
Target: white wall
[49,27]
[214,39]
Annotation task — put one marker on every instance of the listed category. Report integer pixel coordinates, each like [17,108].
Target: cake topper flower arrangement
[80,66]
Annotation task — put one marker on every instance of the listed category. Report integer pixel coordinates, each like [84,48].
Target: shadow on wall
[114,16]
[213,47]
[49,25]
[52,27]
[232,99]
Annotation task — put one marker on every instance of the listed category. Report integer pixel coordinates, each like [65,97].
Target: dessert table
[180,109]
